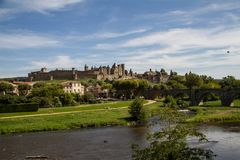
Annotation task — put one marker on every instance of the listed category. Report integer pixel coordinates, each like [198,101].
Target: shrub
[170,102]
[22,107]
[57,102]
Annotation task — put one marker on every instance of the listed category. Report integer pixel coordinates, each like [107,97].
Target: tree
[136,110]
[23,89]
[170,102]
[229,82]
[87,97]
[175,85]
[57,102]
[6,87]
[66,99]
[170,142]
[44,93]
[161,86]
[193,80]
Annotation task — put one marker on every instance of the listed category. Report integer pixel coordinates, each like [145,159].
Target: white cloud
[194,15]
[106,35]
[175,40]
[25,40]
[202,50]
[43,5]
[62,61]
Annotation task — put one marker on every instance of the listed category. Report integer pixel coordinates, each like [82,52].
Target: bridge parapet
[197,95]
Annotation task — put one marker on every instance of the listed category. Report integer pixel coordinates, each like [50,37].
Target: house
[73,87]
[94,89]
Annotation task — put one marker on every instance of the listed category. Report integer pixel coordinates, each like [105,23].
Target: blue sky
[182,35]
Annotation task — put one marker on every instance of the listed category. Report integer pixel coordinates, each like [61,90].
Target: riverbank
[215,114]
[97,115]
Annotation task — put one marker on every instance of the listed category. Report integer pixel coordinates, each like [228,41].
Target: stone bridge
[196,96]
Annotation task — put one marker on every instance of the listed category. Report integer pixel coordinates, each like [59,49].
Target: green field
[91,116]
[71,109]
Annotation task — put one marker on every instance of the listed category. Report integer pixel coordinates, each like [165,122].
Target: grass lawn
[70,109]
[89,118]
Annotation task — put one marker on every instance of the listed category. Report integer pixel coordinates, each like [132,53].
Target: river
[108,143]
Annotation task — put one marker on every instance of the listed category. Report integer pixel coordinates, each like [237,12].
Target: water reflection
[110,143]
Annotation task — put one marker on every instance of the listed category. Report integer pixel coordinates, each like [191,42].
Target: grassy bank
[215,114]
[91,117]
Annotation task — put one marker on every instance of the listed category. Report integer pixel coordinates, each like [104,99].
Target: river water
[108,143]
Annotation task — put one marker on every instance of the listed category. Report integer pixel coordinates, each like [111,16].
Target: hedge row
[21,107]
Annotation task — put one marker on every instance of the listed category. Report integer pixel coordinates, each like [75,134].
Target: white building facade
[73,87]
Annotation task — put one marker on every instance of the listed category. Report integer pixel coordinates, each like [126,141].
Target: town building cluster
[71,77]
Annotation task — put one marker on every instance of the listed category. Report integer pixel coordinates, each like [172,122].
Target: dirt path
[60,113]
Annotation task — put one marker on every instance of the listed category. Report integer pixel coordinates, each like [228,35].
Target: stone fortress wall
[117,71]
[99,73]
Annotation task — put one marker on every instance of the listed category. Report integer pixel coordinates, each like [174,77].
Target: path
[60,113]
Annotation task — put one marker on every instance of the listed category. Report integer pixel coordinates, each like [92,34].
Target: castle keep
[100,73]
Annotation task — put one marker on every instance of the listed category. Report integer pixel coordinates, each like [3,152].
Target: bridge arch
[230,96]
[179,92]
[203,93]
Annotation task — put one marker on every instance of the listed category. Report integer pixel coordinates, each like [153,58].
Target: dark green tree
[136,110]
[230,82]
[193,80]
[66,99]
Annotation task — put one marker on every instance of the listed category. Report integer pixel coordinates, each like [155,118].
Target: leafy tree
[160,86]
[131,87]
[43,102]
[87,97]
[175,85]
[107,86]
[23,89]
[57,102]
[210,85]
[163,72]
[170,142]
[39,85]
[6,87]
[169,101]
[44,93]
[193,80]
[66,99]
[136,110]
[178,78]
[229,82]
[207,79]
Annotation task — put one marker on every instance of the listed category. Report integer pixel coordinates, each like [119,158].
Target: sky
[201,36]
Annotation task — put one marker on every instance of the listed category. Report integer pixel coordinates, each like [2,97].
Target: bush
[57,102]
[9,99]
[170,102]
[22,107]
[43,102]
[136,110]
